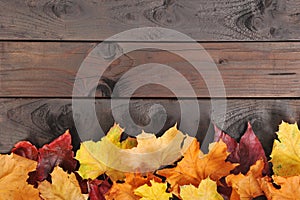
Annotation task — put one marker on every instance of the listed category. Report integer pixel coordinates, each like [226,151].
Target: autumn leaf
[289,187]
[286,151]
[98,188]
[195,166]
[64,186]
[206,190]
[246,152]
[186,171]
[152,153]
[137,179]
[57,153]
[92,157]
[13,174]
[26,149]
[157,191]
[132,181]
[114,135]
[246,186]
[121,192]
[101,157]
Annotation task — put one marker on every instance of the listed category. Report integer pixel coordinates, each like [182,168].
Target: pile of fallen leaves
[146,167]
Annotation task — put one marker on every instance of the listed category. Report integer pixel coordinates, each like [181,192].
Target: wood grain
[48,69]
[41,120]
[203,20]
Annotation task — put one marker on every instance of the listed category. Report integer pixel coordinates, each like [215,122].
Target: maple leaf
[132,181]
[64,186]
[95,159]
[121,192]
[137,179]
[247,186]
[157,191]
[104,156]
[13,174]
[58,152]
[289,187]
[26,149]
[285,155]
[195,166]
[83,183]
[207,189]
[114,135]
[98,188]
[246,152]
[152,153]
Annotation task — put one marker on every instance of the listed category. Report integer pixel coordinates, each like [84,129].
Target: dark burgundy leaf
[224,189]
[83,183]
[232,145]
[251,150]
[98,188]
[26,149]
[246,153]
[58,152]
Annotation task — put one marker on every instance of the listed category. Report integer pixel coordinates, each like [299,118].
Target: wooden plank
[203,20]
[41,120]
[48,69]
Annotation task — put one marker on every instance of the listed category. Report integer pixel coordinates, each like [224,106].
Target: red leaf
[58,152]
[26,149]
[247,152]
[83,183]
[98,188]
[232,145]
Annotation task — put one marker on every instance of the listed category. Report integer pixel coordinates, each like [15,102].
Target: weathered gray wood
[203,20]
[41,120]
[46,69]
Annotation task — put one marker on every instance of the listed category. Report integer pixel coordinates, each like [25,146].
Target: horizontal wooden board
[203,20]
[41,120]
[49,69]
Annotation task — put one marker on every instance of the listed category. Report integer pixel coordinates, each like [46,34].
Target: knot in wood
[64,9]
[169,14]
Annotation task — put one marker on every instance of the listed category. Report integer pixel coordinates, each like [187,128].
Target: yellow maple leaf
[152,153]
[206,190]
[289,187]
[246,186]
[13,175]
[64,186]
[95,159]
[286,151]
[114,135]
[196,166]
[157,191]
[100,157]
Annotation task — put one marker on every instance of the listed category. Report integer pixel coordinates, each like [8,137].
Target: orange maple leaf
[120,191]
[246,186]
[137,179]
[195,166]
[289,187]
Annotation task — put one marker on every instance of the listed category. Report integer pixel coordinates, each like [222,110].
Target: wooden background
[254,43]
